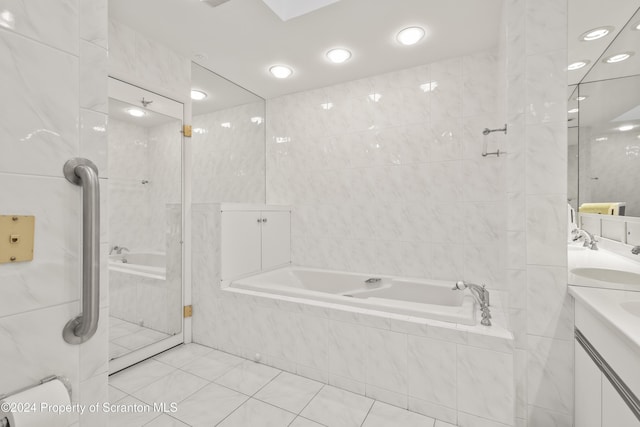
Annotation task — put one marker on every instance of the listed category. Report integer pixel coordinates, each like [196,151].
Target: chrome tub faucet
[635,250]
[481,295]
[118,250]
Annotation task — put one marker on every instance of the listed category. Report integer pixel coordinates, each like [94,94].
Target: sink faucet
[589,239]
[635,250]
[481,294]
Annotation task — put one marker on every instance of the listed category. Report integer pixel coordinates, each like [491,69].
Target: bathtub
[431,299]
[149,264]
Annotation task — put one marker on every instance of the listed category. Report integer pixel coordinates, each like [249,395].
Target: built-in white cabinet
[588,390]
[615,412]
[254,239]
[597,402]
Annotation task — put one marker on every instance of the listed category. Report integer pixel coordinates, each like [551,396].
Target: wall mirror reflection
[228,142]
[144,223]
[604,150]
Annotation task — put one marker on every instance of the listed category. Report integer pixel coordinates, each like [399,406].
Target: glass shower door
[145,224]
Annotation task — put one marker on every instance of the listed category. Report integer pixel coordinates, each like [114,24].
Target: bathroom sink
[608,275]
[632,307]
[576,248]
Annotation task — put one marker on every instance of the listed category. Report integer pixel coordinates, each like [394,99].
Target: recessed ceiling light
[625,128]
[595,34]
[577,65]
[581,98]
[280,71]
[618,57]
[135,112]
[198,95]
[410,35]
[573,111]
[338,55]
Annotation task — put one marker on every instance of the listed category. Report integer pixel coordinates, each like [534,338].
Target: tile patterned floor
[125,337]
[212,388]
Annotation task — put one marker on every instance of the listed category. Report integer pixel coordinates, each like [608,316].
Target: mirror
[604,126]
[144,223]
[228,142]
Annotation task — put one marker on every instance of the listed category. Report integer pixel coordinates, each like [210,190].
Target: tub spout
[481,295]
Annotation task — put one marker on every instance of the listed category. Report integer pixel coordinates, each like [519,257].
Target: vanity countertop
[618,309]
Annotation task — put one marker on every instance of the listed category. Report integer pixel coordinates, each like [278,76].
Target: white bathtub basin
[432,299]
[140,263]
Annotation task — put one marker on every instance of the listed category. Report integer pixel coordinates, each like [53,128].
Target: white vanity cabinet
[615,412]
[588,390]
[606,360]
[254,238]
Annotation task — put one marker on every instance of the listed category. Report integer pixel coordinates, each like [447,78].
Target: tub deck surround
[460,374]
[432,299]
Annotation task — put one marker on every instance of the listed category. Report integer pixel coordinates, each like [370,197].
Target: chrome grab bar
[84,173]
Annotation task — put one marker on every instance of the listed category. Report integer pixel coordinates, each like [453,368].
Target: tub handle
[84,173]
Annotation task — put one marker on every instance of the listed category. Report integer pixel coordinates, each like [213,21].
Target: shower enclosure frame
[118,90]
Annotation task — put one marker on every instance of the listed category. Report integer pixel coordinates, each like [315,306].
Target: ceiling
[241,39]
[585,15]
[118,111]
[221,93]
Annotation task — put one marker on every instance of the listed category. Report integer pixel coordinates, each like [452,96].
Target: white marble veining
[44,281]
[230,160]
[379,176]
[147,63]
[198,410]
[248,377]
[383,415]
[486,384]
[39,126]
[172,388]
[549,306]
[145,373]
[289,392]
[254,410]
[387,360]
[432,364]
[338,408]
[93,85]
[25,335]
[52,24]
[550,374]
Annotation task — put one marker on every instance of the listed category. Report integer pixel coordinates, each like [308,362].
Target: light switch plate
[16,238]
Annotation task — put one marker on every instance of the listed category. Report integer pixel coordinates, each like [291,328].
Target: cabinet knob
[264,219]
[259,219]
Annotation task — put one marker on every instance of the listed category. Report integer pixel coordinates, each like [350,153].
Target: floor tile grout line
[239,406]
[368,412]
[311,400]
[268,382]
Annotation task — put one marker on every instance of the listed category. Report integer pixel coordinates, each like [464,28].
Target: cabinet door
[588,390]
[615,413]
[276,238]
[240,243]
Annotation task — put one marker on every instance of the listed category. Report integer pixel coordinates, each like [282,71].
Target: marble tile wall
[385,174]
[535,55]
[147,63]
[229,161]
[54,66]
[434,368]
